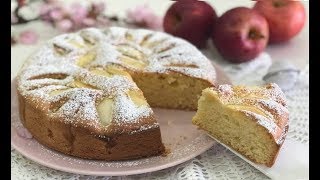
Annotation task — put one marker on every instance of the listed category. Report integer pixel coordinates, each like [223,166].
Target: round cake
[89,94]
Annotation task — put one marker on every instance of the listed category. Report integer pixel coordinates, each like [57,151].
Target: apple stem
[177,19]
[254,34]
[278,3]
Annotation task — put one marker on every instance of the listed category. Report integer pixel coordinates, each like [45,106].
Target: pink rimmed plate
[184,140]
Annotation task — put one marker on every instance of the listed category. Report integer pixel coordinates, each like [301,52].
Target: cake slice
[251,120]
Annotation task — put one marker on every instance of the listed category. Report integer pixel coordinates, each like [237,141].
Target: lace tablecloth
[217,162]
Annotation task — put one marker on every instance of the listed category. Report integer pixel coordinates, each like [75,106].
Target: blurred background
[28,36]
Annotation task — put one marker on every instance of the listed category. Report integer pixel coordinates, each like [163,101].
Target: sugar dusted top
[266,105]
[83,77]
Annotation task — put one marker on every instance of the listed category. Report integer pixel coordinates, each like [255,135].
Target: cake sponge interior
[234,129]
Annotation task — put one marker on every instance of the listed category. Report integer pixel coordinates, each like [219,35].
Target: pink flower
[28,37]
[154,22]
[23,132]
[138,14]
[77,13]
[89,22]
[98,7]
[56,13]
[64,25]
[76,16]
[102,21]
[45,10]
[143,16]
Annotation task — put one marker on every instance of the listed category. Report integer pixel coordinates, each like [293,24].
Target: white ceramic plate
[180,136]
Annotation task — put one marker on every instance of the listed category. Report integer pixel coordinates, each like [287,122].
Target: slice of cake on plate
[251,120]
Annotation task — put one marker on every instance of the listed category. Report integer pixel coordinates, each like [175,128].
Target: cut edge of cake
[251,120]
[68,85]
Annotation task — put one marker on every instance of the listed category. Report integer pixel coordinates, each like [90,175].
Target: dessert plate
[292,161]
[183,140]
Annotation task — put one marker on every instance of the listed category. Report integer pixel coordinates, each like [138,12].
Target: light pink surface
[178,134]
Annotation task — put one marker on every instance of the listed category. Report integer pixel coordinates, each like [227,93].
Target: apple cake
[89,94]
[251,120]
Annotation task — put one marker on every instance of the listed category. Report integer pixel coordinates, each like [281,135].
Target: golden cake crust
[77,94]
[78,140]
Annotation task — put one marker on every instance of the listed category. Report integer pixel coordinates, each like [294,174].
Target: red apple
[240,34]
[286,18]
[191,20]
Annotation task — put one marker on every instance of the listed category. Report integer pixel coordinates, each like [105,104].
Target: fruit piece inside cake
[251,120]
[89,93]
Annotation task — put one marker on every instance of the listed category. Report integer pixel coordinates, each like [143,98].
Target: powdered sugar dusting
[80,105]
[266,104]
[126,111]
[143,128]
[225,89]
[262,120]
[63,65]
[277,108]
[276,94]
[106,54]
[182,150]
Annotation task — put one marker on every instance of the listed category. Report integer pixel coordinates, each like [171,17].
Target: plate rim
[219,72]
[107,173]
